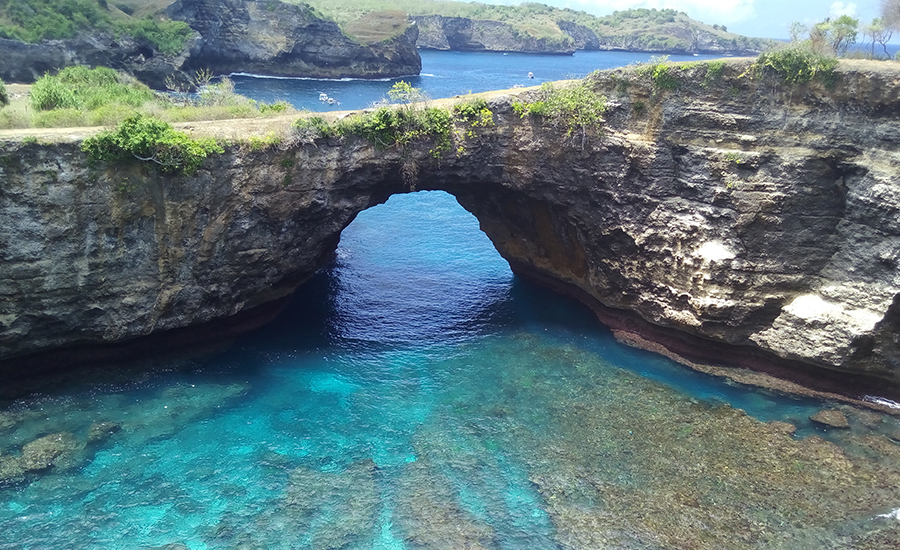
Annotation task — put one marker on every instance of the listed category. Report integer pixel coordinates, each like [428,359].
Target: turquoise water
[417,395]
[444,74]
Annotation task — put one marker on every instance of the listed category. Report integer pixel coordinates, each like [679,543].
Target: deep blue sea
[416,395]
[444,74]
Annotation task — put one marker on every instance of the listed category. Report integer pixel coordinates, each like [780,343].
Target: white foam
[251,75]
[882,401]
[895,514]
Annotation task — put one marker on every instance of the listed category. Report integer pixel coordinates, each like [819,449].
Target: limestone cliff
[26,63]
[437,32]
[268,38]
[743,220]
[279,39]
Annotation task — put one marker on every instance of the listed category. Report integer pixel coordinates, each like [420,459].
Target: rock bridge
[746,222]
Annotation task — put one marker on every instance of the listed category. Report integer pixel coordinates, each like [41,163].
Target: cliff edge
[728,218]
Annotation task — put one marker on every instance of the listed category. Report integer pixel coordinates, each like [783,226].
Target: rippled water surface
[417,395]
[444,74]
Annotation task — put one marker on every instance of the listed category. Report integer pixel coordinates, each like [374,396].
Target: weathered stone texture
[279,39]
[749,212]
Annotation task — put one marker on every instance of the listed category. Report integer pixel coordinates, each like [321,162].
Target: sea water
[444,74]
[415,394]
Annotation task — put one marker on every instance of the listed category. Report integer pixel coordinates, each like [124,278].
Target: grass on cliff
[408,121]
[78,96]
[797,64]
[35,20]
[148,139]
[575,108]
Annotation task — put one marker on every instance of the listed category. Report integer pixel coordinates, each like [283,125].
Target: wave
[882,401]
[251,75]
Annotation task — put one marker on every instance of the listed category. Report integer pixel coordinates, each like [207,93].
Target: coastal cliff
[22,62]
[278,39]
[437,32]
[736,219]
[269,38]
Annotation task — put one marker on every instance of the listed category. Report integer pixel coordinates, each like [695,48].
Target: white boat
[530,75]
[323,96]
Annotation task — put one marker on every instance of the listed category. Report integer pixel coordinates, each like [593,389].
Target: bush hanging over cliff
[576,108]
[797,64]
[4,95]
[149,139]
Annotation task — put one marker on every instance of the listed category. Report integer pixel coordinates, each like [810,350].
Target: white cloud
[708,11]
[839,8]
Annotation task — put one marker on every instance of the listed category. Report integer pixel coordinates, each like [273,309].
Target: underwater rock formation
[742,220]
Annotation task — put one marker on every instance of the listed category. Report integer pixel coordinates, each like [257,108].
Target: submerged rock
[101,431]
[832,418]
[730,222]
[48,451]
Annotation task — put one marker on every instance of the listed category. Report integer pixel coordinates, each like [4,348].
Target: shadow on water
[415,394]
[340,310]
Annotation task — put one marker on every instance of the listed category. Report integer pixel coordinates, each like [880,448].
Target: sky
[761,18]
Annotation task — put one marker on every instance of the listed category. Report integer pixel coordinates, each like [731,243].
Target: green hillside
[630,29]
[35,20]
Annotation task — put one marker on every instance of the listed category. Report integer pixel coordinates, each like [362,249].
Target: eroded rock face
[745,216]
[437,32]
[27,62]
[279,39]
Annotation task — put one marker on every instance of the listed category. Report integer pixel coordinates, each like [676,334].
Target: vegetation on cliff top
[642,29]
[35,20]
[149,139]
[79,96]
[576,108]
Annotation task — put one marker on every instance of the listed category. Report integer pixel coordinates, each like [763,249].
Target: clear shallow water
[444,74]
[417,395]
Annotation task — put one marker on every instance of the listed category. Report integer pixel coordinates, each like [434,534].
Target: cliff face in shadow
[742,220]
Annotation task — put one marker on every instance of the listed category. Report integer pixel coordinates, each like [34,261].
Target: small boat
[331,101]
[530,75]
[323,96]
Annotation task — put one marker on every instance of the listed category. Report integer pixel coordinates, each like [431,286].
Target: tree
[837,35]
[797,30]
[880,33]
[890,14]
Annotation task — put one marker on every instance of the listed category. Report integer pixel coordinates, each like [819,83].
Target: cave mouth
[413,374]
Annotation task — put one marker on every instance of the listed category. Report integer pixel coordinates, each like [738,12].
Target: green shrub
[314,126]
[4,95]
[50,93]
[168,37]
[151,140]
[577,108]
[714,70]
[796,64]
[660,73]
[78,87]
[474,112]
